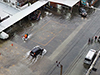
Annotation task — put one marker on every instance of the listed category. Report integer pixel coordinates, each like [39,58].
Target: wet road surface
[51,32]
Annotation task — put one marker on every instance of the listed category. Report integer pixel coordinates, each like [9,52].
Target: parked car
[89,58]
[35,15]
[4,35]
[82,12]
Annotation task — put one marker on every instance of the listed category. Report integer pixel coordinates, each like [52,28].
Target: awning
[18,16]
[69,3]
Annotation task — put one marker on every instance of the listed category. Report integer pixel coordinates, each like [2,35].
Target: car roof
[36,49]
[90,54]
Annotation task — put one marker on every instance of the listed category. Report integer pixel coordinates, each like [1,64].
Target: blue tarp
[89,1]
[83,2]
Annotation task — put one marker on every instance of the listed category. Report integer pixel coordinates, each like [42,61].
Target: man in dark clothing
[89,41]
[95,38]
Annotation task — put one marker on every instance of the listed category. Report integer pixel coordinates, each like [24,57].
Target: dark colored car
[36,51]
[82,12]
[35,15]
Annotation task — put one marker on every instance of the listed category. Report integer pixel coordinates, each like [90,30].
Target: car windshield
[87,59]
[36,49]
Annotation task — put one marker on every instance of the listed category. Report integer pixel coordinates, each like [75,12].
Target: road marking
[24,56]
[50,34]
[7,69]
[65,43]
[0,45]
[0,57]
[17,53]
[13,65]
[15,47]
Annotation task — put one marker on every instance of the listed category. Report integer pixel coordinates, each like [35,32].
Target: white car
[3,35]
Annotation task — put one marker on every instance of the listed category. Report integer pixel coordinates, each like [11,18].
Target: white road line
[65,43]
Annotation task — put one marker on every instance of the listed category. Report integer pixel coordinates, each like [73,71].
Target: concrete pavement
[12,61]
[66,42]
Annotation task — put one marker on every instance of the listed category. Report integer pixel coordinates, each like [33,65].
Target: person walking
[95,38]
[25,37]
[89,41]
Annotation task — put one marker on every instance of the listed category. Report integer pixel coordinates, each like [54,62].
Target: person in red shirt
[96,38]
[25,36]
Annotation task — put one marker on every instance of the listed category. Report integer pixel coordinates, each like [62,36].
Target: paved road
[65,41]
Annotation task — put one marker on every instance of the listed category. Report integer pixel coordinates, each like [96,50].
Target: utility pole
[60,66]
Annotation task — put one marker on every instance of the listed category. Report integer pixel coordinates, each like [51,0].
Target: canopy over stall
[69,3]
[18,16]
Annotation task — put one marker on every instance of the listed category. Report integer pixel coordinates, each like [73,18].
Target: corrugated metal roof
[70,3]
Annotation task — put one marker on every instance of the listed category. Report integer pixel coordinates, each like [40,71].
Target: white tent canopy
[69,3]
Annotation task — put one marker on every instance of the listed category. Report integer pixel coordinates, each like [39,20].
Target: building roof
[69,3]
[18,16]
[3,14]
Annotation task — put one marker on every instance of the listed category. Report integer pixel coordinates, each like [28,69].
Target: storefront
[63,5]
[88,2]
